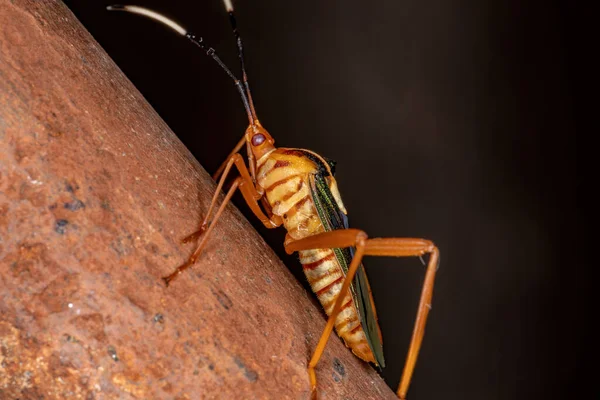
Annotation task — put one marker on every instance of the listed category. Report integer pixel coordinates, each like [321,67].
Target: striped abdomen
[284,176]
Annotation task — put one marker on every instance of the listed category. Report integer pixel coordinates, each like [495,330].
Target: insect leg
[247,185]
[235,150]
[226,169]
[334,239]
[194,257]
[251,195]
[395,247]
[405,247]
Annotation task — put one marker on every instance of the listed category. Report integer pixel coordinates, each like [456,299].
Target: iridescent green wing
[333,218]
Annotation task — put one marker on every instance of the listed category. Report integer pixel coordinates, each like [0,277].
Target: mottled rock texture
[95,194]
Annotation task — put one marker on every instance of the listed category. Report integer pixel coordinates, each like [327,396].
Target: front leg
[235,150]
[249,192]
[395,247]
[246,185]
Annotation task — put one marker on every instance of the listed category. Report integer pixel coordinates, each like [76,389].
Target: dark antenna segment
[238,40]
[198,41]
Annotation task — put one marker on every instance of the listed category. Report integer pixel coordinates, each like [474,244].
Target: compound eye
[258,139]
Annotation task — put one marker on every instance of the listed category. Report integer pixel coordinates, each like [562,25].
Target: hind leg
[395,247]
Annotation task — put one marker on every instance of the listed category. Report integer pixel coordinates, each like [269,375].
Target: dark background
[450,120]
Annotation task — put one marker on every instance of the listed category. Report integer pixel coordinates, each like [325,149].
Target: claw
[313,384]
[168,279]
[194,235]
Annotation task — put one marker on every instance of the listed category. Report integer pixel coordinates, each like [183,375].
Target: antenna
[238,40]
[198,41]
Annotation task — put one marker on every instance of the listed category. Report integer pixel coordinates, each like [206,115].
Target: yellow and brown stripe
[326,278]
[284,175]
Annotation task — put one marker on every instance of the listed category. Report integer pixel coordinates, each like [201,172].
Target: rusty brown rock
[95,193]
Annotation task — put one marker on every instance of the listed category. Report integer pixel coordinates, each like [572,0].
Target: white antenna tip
[228,5]
[150,14]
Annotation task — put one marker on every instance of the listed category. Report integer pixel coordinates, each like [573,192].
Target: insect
[296,189]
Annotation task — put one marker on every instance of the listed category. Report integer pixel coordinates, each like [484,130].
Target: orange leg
[251,197]
[246,185]
[235,150]
[395,247]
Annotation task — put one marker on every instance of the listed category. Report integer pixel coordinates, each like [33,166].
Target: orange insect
[297,189]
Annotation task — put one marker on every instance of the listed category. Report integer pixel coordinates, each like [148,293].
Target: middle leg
[246,185]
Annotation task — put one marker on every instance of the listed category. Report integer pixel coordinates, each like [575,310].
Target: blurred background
[450,120]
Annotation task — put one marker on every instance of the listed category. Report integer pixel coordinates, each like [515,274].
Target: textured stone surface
[95,193]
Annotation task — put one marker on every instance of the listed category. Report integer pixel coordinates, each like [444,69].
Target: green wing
[333,218]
